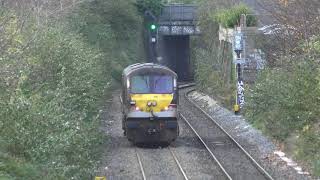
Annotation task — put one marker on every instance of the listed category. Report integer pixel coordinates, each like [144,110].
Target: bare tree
[298,20]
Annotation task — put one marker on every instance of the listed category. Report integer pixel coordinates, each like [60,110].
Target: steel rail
[178,164]
[172,153]
[187,85]
[140,164]
[259,167]
[206,146]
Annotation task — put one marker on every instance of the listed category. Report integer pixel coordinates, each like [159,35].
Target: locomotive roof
[146,66]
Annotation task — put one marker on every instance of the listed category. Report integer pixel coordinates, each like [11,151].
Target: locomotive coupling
[152,131]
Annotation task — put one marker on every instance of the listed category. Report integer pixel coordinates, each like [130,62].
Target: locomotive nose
[152,103]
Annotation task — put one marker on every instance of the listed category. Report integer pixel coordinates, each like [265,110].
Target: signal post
[239,59]
[152,35]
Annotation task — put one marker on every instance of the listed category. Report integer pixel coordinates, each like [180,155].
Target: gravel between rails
[194,158]
[159,164]
[231,156]
[120,160]
[179,164]
[259,146]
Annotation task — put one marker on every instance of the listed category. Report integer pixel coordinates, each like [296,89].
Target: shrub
[53,84]
[308,147]
[283,100]
[210,78]
[229,18]
[12,168]
[51,117]
[213,60]
[155,6]
[115,28]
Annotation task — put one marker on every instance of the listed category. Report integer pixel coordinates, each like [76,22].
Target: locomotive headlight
[133,102]
[154,103]
[149,103]
[171,107]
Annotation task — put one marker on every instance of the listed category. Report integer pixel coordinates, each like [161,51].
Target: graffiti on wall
[240,92]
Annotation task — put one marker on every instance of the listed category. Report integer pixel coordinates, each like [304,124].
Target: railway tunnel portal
[176,24]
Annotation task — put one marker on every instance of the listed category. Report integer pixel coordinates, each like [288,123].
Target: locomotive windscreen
[151,84]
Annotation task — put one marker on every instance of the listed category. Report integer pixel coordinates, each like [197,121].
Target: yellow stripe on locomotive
[152,102]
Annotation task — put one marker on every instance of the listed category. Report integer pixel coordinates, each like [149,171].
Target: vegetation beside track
[56,74]
[284,103]
[155,6]
[214,69]
[229,18]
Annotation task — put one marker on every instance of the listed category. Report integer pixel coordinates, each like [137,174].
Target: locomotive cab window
[151,84]
[140,84]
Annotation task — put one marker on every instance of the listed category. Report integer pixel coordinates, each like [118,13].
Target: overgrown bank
[55,77]
[214,67]
[284,104]
[284,101]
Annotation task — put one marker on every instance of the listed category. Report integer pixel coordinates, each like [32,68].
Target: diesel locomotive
[149,101]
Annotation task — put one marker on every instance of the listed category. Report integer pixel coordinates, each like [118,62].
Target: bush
[115,28]
[309,145]
[155,6]
[285,102]
[213,60]
[12,168]
[211,79]
[51,117]
[53,83]
[229,18]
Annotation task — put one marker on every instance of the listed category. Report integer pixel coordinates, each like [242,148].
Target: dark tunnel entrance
[176,55]
[171,44]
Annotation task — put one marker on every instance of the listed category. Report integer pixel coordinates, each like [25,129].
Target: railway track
[186,85]
[174,157]
[229,155]
[207,147]
[178,164]
[140,165]
[231,158]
